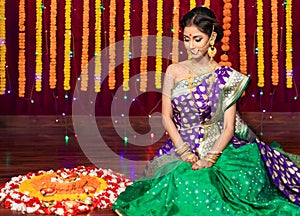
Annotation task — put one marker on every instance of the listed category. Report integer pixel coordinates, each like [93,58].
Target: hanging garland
[53,41]
[159,29]
[22,59]
[260,45]
[2,49]
[112,46]
[85,45]
[192,4]
[274,27]
[242,36]
[67,44]
[144,47]
[38,48]
[289,44]
[207,3]
[226,26]
[175,31]
[126,46]
[98,13]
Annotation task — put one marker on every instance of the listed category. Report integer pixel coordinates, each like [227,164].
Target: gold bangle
[183,148]
[209,160]
[187,155]
[212,156]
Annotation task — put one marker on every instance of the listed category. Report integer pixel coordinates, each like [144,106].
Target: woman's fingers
[201,164]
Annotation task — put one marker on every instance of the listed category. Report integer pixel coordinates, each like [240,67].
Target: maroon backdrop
[53,102]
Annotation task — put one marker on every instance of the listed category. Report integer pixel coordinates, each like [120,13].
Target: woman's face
[195,41]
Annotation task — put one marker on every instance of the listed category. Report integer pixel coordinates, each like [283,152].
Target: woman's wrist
[183,148]
[212,156]
[215,152]
[184,152]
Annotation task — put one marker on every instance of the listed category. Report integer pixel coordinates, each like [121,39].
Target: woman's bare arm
[167,112]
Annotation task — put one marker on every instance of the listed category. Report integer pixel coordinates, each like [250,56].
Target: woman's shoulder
[176,69]
[179,65]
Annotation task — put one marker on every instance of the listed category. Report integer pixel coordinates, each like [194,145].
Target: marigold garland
[207,3]
[226,26]
[67,44]
[98,14]
[53,41]
[85,45]
[126,45]
[274,51]
[112,45]
[260,44]
[22,59]
[38,45]
[2,48]
[175,30]
[289,44]
[192,4]
[159,29]
[242,37]
[144,47]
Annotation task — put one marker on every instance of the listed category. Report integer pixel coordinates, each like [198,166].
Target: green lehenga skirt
[238,184]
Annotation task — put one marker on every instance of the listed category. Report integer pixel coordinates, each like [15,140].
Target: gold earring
[212,50]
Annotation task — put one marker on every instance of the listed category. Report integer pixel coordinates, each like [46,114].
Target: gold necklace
[198,71]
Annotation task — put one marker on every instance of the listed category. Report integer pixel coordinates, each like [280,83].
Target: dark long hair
[204,19]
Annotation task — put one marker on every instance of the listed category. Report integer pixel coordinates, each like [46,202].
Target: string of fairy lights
[97,32]
[106,36]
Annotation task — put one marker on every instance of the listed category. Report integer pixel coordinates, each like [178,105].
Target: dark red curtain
[55,102]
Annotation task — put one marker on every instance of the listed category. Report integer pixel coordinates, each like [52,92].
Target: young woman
[212,164]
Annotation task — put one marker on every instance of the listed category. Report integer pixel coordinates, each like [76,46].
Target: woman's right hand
[190,158]
[201,164]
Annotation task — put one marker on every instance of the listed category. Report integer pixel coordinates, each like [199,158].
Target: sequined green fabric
[238,184]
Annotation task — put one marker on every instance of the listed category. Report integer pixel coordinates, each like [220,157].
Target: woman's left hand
[201,164]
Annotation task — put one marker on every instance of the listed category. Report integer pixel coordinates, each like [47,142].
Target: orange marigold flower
[227,19]
[224,58]
[225,47]
[227,12]
[225,40]
[227,5]
[227,33]
[226,26]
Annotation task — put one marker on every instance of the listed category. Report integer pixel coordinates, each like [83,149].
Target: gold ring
[190,157]
[199,163]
